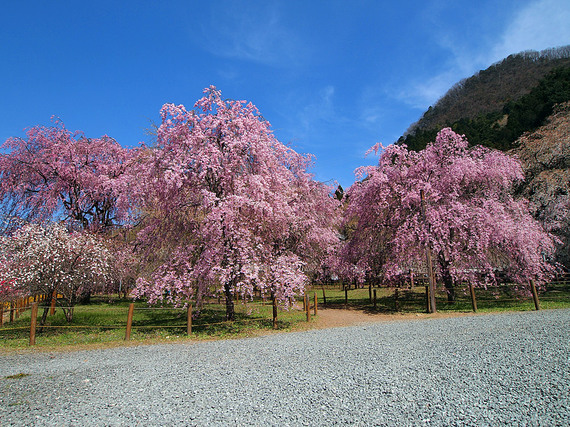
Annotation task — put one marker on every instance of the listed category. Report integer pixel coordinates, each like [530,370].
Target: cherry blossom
[56,174]
[477,231]
[226,208]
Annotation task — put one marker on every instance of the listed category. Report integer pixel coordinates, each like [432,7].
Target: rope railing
[134,326]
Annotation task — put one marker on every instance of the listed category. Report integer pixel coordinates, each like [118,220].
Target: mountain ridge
[483,100]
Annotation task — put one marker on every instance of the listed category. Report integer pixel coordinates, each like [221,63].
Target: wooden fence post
[308,307]
[129,321]
[189,320]
[473,300]
[315,309]
[375,299]
[53,300]
[534,294]
[370,292]
[33,323]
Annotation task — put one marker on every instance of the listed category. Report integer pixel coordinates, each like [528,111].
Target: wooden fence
[397,301]
[409,293]
[14,308]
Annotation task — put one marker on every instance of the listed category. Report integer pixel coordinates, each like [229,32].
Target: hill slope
[482,105]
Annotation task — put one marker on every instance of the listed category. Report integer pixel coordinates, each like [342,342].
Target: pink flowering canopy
[474,226]
[56,174]
[225,207]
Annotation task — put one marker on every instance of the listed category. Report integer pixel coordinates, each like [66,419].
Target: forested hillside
[496,106]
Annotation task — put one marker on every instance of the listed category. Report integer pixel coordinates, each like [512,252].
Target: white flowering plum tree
[43,259]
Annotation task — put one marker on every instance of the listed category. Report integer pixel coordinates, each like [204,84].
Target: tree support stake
[473,299]
[33,323]
[189,320]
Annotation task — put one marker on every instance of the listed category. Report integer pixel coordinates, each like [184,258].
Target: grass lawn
[103,321]
[414,300]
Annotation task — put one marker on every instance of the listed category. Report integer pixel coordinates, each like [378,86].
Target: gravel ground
[500,369]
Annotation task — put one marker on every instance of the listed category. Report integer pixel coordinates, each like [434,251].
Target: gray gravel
[500,369]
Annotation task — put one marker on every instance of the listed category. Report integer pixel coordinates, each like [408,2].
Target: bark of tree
[447,279]
[230,310]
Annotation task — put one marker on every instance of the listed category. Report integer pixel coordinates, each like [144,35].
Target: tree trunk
[274,303]
[44,315]
[448,282]
[450,288]
[230,312]
[429,262]
[68,314]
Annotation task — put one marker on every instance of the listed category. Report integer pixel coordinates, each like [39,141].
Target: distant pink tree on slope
[472,224]
[226,208]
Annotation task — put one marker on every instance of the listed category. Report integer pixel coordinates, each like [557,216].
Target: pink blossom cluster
[54,172]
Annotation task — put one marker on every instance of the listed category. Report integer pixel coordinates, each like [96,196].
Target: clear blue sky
[332,77]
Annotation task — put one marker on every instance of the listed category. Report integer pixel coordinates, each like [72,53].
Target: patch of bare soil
[336,317]
[326,318]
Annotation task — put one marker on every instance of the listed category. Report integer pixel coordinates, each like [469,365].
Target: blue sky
[332,77]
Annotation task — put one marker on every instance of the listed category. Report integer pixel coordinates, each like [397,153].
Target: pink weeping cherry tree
[226,208]
[57,174]
[467,218]
[54,174]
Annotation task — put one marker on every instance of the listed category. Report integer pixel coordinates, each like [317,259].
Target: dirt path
[333,317]
[326,318]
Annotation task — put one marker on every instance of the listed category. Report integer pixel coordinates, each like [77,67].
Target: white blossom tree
[43,259]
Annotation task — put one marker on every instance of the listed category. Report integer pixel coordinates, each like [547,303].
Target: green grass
[17,376]
[414,300]
[103,322]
